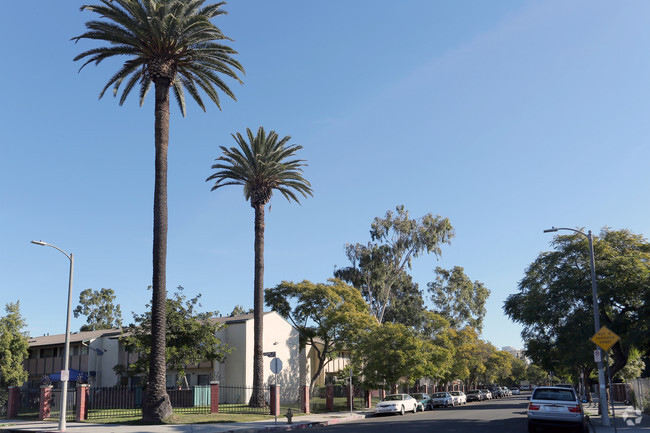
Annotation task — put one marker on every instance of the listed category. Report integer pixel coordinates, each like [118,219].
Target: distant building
[517,353]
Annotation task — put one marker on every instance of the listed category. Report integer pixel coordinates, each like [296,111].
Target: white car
[488,393]
[397,403]
[514,390]
[459,397]
[442,399]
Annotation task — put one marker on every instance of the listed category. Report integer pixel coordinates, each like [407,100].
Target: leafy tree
[557,336]
[13,347]
[518,372]
[190,337]
[439,347]
[99,308]
[261,165]
[395,241]
[330,317]
[389,354]
[634,367]
[499,366]
[459,299]
[239,310]
[171,44]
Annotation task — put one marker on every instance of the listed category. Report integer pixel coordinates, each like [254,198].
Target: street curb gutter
[301,426]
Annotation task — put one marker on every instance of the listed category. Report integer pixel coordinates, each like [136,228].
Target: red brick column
[329,397]
[214,397]
[83,391]
[304,399]
[348,389]
[275,399]
[13,404]
[46,402]
[368,399]
[382,394]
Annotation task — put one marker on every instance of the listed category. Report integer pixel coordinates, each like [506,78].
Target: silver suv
[555,406]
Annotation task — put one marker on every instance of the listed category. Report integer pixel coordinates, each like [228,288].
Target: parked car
[424,401]
[459,397]
[475,395]
[397,403]
[505,391]
[442,399]
[515,391]
[496,392]
[553,406]
[488,394]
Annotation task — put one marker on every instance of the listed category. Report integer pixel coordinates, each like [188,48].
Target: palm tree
[172,44]
[261,165]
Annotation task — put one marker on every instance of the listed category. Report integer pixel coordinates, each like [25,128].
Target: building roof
[75,337]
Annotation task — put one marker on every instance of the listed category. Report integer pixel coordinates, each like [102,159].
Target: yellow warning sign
[605,338]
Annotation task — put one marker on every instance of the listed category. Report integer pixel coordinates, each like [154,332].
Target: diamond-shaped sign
[605,338]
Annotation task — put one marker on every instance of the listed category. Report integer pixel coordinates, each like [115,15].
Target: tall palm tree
[262,164]
[172,44]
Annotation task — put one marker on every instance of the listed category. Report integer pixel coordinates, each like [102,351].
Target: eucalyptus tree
[260,163]
[171,44]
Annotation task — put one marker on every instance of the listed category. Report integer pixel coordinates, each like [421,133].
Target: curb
[300,426]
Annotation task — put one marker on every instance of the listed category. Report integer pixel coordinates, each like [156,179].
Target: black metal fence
[235,399]
[55,404]
[30,400]
[126,402]
[318,399]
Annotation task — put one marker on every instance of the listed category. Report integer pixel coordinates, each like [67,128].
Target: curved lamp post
[594,294]
[65,373]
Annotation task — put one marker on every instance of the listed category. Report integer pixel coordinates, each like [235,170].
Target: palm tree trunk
[257,399]
[157,405]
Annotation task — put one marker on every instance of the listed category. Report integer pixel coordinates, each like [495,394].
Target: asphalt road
[505,415]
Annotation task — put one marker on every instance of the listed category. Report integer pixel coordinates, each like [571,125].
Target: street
[506,415]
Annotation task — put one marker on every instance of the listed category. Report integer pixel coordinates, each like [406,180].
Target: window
[203,379]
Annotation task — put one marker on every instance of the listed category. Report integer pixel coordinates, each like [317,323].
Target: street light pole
[66,362]
[594,293]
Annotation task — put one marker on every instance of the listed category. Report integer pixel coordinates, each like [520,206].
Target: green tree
[388,354]
[459,299]
[396,240]
[239,310]
[171,44]
[557,336]
[13,348]
[100,310]
[439,347]
[190,337]
[329,317]
[261,165]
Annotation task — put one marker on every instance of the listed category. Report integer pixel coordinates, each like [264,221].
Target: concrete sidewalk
[628,420]
[299,422]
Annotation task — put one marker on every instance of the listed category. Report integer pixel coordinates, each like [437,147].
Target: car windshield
[473,391]
[393,397]
[454,392]
[554,394]
[418,396]
[439,395]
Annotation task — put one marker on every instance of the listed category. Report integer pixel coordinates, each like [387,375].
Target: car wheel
[415,408]
[429,406]
[401,412]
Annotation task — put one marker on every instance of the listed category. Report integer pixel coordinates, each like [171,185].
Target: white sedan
[397,403]
[459,397]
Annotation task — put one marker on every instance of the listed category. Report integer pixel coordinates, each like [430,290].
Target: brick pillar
[348,389]
[13,403]
[382,394]
[83,391]
[367,399]
[214,397]
[304,399]
[329,398]
[45,402]
[275,399]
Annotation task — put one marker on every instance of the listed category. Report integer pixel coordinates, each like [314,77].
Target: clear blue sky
[507,117]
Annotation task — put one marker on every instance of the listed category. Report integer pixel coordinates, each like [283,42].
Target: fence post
[304,399]
[82,402]
[45,402]
[13,404]
[329,398]
[275,399]
[214,397]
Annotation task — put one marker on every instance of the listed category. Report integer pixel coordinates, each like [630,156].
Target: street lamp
[594,294]
[65,373]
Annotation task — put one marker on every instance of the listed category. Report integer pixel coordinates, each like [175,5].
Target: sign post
[276,367]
